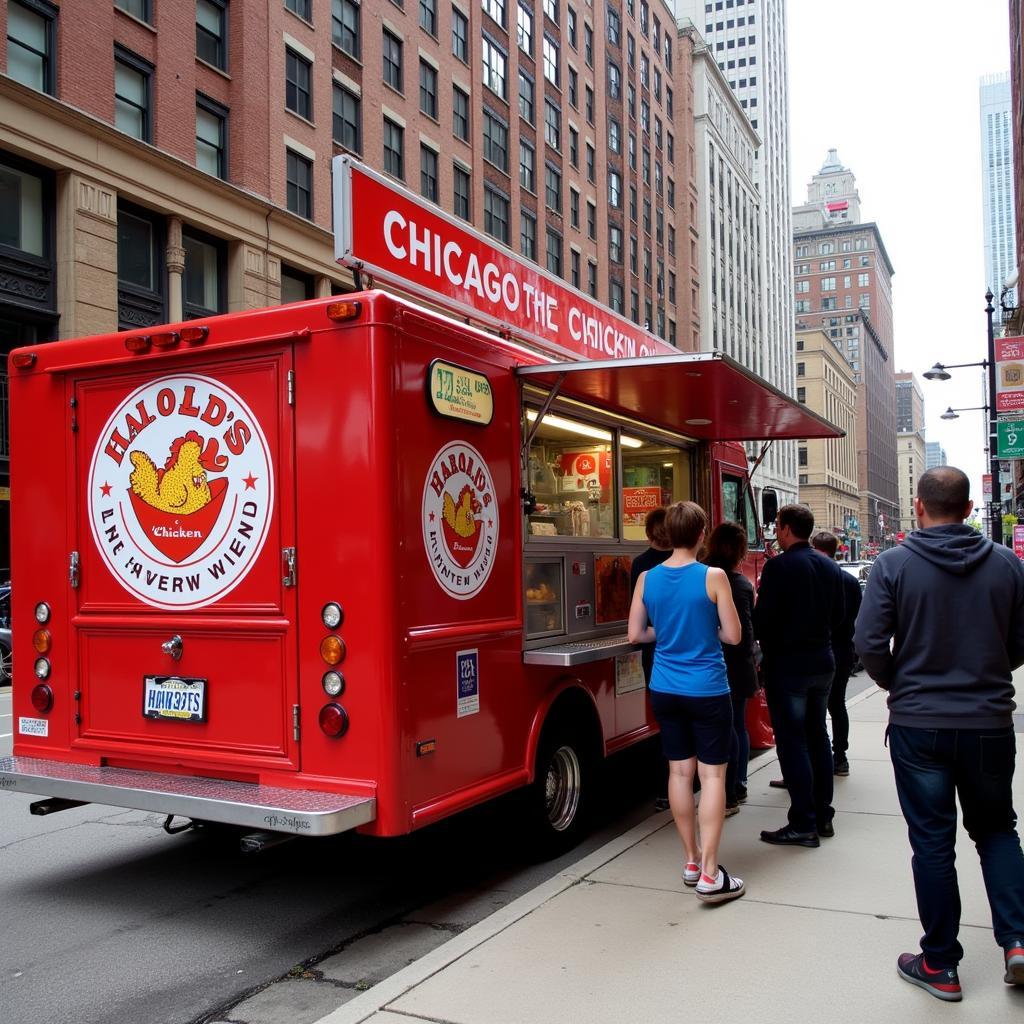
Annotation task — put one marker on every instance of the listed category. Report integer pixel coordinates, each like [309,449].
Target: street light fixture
[938,371]
[954,414]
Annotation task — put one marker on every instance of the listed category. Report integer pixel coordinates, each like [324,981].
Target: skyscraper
[748,40]
[911,452]
[934,455]
[997,189]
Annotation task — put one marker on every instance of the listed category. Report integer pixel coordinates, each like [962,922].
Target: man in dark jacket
[842,651]
[952,604]
[799,604]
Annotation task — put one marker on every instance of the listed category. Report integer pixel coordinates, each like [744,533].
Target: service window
[737,506]
[653,474]
[572,477]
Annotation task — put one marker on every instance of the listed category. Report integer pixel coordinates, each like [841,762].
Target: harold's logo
[460,520]
[181,491]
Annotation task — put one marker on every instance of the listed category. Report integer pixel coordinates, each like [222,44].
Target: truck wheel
[561,795]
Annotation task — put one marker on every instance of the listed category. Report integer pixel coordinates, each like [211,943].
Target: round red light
[42,698]
[333,720]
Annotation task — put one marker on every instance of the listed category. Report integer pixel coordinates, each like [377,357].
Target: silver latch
[288,557]
[173,647]
[73,570]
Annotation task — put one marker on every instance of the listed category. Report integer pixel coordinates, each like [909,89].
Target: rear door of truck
[184,636]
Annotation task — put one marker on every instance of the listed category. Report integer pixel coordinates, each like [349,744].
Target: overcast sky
[893,86]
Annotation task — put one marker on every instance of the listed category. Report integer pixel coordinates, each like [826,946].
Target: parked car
[858,569]
[5,634]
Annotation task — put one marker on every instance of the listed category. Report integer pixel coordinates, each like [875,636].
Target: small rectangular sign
[1009,354]
[1018,540]
[460,394]
[629,673]
[467,674]
[1010,439]
[33,726]
[178,698]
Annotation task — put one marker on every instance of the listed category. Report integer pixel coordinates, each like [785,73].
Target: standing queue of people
[941,629]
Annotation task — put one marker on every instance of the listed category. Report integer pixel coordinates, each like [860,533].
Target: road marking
[4,735]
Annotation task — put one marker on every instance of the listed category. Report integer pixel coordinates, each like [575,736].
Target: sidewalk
[619,938]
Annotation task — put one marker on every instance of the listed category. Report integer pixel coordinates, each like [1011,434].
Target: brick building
[161,160]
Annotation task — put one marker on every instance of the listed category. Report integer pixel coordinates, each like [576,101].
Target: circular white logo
[181,489]
[460,519]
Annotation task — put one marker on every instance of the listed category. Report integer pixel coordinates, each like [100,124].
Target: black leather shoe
[661,803]
[789,836]
[826,830]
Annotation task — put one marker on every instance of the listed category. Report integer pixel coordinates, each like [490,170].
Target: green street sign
[1010,439]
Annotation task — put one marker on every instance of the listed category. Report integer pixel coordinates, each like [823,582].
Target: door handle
[173,647]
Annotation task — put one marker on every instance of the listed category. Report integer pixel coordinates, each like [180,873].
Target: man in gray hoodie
[952,603]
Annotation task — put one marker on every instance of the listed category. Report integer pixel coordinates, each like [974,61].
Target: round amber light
[41,641]
[332,650]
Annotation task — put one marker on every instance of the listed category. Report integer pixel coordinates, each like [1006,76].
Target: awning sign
[1009,374]
[385,231]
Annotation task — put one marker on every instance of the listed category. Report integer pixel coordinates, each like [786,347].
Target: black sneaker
[1014,954]
[942,983]
[788,836]
[840,766]
[741,794]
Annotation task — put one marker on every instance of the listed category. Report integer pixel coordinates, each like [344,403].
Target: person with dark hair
[843,652]
[660,549]
[686,608]
[942,629]
[726,549]
[799,604]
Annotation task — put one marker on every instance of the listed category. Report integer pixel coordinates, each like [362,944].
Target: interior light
[631,442]
[560,423]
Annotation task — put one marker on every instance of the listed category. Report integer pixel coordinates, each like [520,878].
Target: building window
[496,9]
[132,95]
[574,148]
[614,136]
[526,97]
[428,90]
[212,32]
[460,35]
[136,8]
[588,45]
[296,286]
[570,27]
[574,208]
[428,173]
[591,165]
[554,252]
[392,58]
[588,100]
[494,67]
[614,243]
[614,80]
[801,369]
[591,221]
[553,188]
[524,29]
[828,284]
[495,214]
[614,189]
[30,44]
[495,140]
[527,166]
[592,279]
[203,281]
[862,280]
[801,456]
[140,276]
[460,114]
[428,16]
[394,149]
[574,266]
[801,395]
[528,235]
[551,10]
[211,137]
[551,60]
[299,177]
[345,26]
[614,26]
[616,297]
[297,95]
[303,8]
[347,119]
[574,89]
[460,193]
[552,125]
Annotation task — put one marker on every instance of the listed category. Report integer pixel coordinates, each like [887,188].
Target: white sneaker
[691,873]
[723,889]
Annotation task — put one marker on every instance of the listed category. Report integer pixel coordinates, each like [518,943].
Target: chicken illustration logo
[460,520]
[181,491]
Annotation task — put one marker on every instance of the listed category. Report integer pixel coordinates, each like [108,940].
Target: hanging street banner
[1010,439]
[1009,374]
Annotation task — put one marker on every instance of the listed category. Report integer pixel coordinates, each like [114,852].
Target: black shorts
[698,727]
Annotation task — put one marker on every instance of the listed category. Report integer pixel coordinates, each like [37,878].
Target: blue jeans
[932,768]
[736,774]
[797,705]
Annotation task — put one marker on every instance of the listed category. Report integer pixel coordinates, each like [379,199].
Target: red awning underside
[679,392]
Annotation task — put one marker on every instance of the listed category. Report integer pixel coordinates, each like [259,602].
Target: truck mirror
[769,505]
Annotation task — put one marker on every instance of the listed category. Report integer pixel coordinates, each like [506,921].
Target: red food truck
[354,562]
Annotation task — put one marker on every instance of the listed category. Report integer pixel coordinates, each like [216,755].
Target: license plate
[179,698]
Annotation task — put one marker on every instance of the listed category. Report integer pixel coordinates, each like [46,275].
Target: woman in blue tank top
[687,610]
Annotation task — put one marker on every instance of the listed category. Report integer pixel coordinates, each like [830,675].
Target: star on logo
[105,488]
[250,481]
[432,517]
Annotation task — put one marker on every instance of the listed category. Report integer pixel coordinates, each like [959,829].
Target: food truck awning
[706,395]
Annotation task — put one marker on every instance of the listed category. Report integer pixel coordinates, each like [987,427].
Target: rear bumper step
[303,812]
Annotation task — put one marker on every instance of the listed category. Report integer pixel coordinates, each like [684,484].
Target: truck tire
[561,796]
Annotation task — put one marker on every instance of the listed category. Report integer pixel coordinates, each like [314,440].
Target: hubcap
[562,788]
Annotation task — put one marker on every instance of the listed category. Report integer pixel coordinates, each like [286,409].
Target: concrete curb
[387,991]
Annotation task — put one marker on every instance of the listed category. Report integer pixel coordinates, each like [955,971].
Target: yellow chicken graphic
[461,517]
[181,486]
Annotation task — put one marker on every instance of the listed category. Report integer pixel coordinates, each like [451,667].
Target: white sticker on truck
[33,726]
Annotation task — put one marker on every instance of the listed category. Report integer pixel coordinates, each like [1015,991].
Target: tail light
[42,698]
[41,641]
[42,668]
[194,335]
[165,339]
[344,310]
[332,650]
[333,684]
[333,720]
[24,360]
[137,343]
